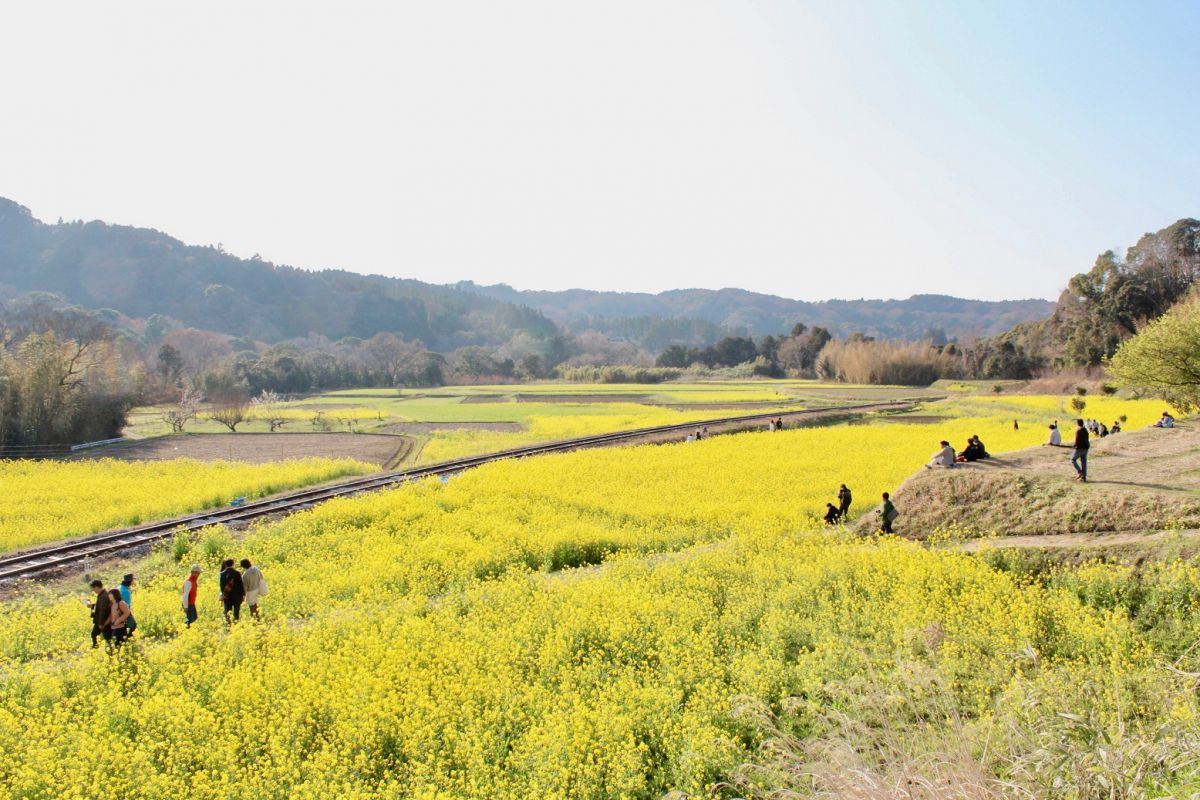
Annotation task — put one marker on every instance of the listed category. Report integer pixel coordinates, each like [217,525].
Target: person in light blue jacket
[126,590]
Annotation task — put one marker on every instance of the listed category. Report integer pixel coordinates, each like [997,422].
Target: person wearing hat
[189,594]
[126,589]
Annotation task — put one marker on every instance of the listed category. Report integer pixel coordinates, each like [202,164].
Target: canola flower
[426,642]
[47,500]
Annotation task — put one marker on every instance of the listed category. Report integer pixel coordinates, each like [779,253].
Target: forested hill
[622,313]
[140,272]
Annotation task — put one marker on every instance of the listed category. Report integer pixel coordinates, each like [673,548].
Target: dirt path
[1079,540]
[259,448]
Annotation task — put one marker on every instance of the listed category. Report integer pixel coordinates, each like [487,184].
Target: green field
[459,420]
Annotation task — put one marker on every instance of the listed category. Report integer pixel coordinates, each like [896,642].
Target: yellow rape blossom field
[592,625]
[47,500]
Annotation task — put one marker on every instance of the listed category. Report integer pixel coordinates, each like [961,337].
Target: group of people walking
[112,614]
[235,588]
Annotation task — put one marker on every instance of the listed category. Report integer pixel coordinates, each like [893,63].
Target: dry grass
[903,736]
[1138,481]
[1065,382]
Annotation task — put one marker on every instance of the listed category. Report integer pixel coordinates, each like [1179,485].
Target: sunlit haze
[813,150]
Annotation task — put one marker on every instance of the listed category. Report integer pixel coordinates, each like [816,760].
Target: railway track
[64,554]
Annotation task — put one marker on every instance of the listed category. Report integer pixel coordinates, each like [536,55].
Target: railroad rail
[62,554]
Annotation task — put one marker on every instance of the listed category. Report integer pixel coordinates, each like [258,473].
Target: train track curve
[63,554]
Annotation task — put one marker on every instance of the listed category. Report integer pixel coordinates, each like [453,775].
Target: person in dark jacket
[233,592]
[1079,457]
[832,515]
[844,500]
[887,514]
[101,612]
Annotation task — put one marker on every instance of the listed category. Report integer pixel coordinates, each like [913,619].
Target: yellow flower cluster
[426,642]
[47,500]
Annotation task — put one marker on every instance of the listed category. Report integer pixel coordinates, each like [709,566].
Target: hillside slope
[1139,481]
[140,272]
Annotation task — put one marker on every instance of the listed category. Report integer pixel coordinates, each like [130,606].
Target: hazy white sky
[814,150]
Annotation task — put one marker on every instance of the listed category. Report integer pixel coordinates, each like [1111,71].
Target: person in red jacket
[188,597]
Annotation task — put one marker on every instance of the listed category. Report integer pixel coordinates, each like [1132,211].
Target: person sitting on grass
[1055,435]
[942,458]
[832,515]
[1167,421]
[1116,427]
[974,450]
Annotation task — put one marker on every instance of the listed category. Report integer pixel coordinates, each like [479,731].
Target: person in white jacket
[1055,436]
[942,458]
[255,584]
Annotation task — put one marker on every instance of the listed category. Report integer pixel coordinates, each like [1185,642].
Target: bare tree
[230,413]
[180,414]
[268,407]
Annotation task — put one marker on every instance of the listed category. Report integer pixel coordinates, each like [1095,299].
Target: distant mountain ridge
[739,310]
[141,272]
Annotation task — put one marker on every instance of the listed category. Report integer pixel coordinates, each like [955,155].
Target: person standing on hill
[101,611]
[887,514]
[844,500]
[1079,457]
[189,594]
[233,591]
[255,585]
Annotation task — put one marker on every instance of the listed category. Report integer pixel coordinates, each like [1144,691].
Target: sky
[813,150]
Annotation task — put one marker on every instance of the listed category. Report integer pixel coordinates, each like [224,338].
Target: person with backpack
[255,585]
[887,514]
[189,594]
[101,612]
[233,592]
[1080,454]
[126,590]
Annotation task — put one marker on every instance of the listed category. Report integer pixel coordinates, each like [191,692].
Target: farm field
[47,500]
[615,623]
[451,422]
